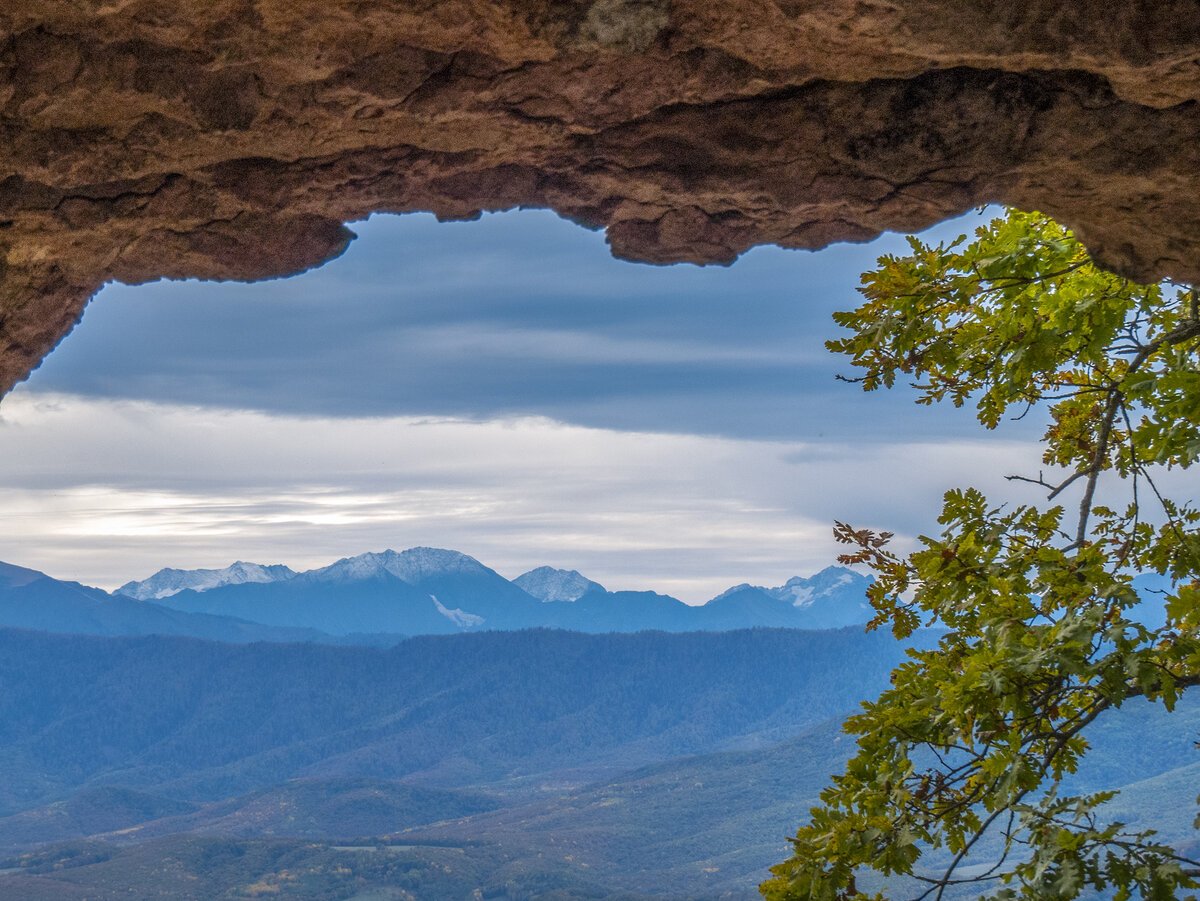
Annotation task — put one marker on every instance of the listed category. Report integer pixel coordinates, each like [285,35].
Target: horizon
[112,589]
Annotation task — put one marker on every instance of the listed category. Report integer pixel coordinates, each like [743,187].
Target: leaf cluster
[962,761]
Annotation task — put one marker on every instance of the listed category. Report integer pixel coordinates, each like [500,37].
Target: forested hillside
[529,765]
[204,720]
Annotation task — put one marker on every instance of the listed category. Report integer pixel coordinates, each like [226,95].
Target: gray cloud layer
[107,491]
[519,314]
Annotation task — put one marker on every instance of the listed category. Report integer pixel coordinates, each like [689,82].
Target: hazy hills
[525,764]
[32,600]
[139,739]
[203,720]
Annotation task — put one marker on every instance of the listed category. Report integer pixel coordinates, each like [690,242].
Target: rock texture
[230,139]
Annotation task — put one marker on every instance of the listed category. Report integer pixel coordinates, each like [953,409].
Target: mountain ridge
[555,585]
[416,563]
[169,581]
[50,605]
[458,593]
[376,598]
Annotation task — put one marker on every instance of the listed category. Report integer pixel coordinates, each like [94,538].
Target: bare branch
[1055,490]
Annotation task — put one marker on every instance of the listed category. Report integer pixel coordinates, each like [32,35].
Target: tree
[968,749]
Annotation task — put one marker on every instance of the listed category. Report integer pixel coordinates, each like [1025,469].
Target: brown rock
[230,139]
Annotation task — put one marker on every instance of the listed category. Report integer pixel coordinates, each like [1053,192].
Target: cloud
[519,314]
[104,491]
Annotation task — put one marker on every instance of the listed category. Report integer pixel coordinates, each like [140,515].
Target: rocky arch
[230,139]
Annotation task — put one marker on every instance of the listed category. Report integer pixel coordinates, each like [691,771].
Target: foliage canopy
[958,780]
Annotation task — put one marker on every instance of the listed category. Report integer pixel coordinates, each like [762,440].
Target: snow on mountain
[459,617]
[832,598]
[548,584]
[432,590]
[351,569]
[167,582]
[33,600]
[796,591]
[801,592]
[410,566]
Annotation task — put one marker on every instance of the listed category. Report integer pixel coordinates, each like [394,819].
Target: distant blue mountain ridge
[32,600]
[433,591]
[377,598]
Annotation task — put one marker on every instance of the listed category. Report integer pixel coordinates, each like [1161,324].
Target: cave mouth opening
[693,441]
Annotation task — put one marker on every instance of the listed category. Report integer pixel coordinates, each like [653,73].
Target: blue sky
[515,314]
[503,387]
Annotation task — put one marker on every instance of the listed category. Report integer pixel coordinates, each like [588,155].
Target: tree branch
[1055,490]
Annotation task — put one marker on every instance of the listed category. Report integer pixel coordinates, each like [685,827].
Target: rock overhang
[231,139]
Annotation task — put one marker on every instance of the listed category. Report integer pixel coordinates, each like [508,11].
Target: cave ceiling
[231,139]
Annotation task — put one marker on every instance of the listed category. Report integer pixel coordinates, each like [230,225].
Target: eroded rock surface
[230,139]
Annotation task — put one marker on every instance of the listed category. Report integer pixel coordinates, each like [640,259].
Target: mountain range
[32,600]
[377,598]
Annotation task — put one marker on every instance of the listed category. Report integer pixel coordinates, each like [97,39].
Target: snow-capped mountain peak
[419,562]
[167,582]
[549,584]
[410,566]
[426,590]
[801,592]
[351,569]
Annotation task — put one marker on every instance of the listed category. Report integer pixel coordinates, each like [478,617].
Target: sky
[502,387]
